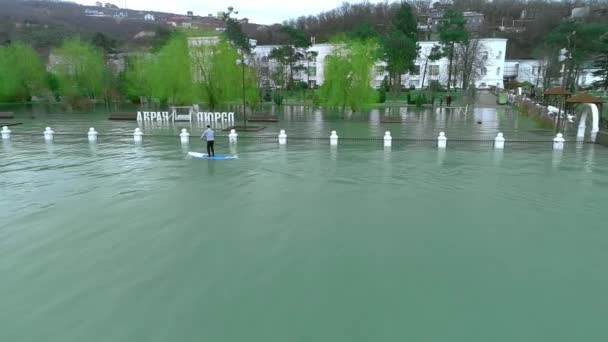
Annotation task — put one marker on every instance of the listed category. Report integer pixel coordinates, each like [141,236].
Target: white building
[149,17]
[489,75]
[532,70]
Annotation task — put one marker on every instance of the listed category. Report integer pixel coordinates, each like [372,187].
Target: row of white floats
[442,140]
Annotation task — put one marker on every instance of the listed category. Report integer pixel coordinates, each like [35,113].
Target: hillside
[44,24]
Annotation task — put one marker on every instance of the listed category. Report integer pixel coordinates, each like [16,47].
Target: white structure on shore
[489,72]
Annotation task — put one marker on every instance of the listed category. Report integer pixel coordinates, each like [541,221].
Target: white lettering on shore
[155,116]
[207,117]
[215,117]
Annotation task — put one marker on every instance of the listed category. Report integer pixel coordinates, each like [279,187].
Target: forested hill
[44,24]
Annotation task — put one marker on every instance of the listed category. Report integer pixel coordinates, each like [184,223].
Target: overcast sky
[258,11]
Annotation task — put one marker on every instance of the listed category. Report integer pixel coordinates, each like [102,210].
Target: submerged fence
[441,141]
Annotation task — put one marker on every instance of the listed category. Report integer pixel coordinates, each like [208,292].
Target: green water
[118,242]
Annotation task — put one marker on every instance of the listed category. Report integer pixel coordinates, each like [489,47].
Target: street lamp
[243,62]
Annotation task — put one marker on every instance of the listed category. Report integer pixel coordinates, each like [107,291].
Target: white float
[558,142]
[92,135]
[333,138]
[48,134]
[388,139]
[499,141]
[233,136]
[6,133]
[138,135]
[442,140]
[282,137]
[184,136]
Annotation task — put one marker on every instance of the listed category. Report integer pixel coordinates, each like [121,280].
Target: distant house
[148,17]
[144,34]
[474,20]
[244,21]
[110,6]
[98,4]
[190,14]
[94,13]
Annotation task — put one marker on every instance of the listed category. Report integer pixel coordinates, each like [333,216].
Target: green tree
[400,45]
[581,44]
[106,44]
[452,31]
[601,63]
[172,73]
[363,31]
[80,69]
[217,73]
[22,73]
[348,75]
[139,77]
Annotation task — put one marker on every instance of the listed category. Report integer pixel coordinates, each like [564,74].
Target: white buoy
[499,141]
[282,137]
[138,135]
[233,136]
[6,133]
[333,138]
[558,142]
[48,134]
[388,140]
[184,136]
[92,134]
[442,140]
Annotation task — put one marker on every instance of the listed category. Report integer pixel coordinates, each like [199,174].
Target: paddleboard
[206,156]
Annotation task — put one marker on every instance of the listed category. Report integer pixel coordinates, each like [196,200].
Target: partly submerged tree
[348,75]
[22,73]
[217,73]
[452,31]
[139,77]
[80,70]
[172,72]
[580,43]
[601,63]
[400,45]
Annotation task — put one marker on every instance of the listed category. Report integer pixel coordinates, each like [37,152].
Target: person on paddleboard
[209,135]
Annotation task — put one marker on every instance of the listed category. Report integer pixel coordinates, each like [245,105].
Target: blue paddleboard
[206,156]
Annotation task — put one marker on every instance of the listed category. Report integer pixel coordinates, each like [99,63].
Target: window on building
[415,71]
[498,71]
[379,69]
[484,55]
[312,71]
[434,70]
[484,71]
[499,55]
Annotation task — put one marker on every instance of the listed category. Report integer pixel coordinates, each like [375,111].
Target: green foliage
[234,32]
[348,74]
[139,77]
[171,74]
[220,75]
[297,38]
[400,44]
[452,31]
[80,70]
[363,31]
[277,98]
[22,73]
[106,44]
[381,95]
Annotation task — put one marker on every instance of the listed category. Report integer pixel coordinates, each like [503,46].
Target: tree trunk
[426,62]
[451,57]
